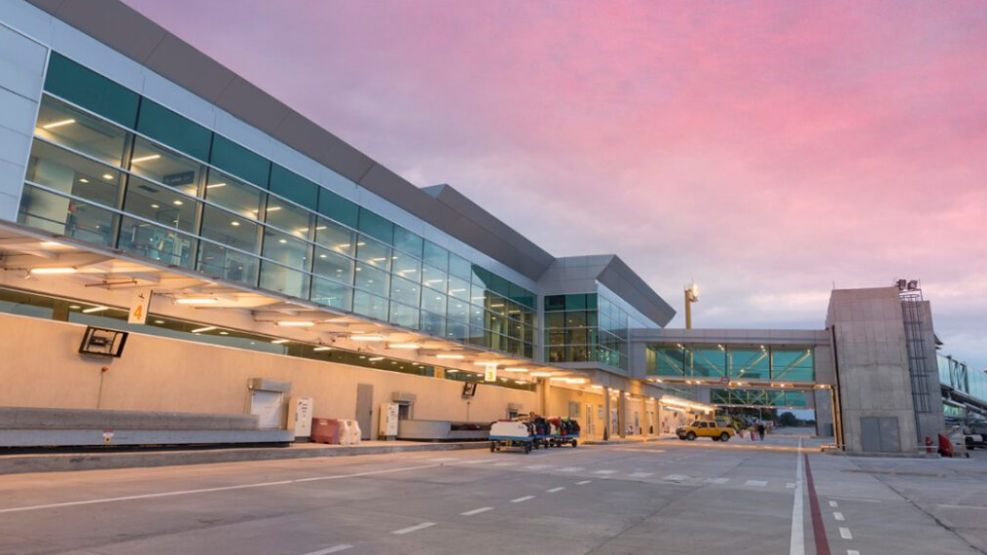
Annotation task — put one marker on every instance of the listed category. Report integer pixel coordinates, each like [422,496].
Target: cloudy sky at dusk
[768,150]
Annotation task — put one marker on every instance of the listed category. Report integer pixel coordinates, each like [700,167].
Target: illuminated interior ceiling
[34,257]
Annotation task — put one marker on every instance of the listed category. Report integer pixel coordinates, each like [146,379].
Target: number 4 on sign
[139,305]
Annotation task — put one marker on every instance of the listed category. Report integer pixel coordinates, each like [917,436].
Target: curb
[19,464]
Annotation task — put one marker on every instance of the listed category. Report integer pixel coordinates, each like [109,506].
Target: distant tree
[788,419]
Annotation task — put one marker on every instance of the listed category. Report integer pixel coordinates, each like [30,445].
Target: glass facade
[958,375]
[112,168]
[733,362]
[586,327]
[760,398]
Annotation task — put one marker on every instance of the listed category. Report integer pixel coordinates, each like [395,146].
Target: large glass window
[407,241]
[459,310]
[161,124]
[434,302]
[435,278]
[64,216]
[286,281]
[433,323]
[404,315]
[161,204]
[155,242]
[62,124]
[370,305]
[286,250]
[749,363]
[239,161]
[287,217]
[670,361]
[373,253]
[371,279]
[707,362]
[333,265]
[72,174]
[294,187]
[792,365]
[91,90]
[331,293]
[164,166]
[406,266]
[407,292]
[436,256]
[234,194]
[221,262]
[334,237]
[376,226]
[459,266]
[227,229]
[338,208]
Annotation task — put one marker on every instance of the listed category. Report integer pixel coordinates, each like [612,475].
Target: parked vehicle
[703,428]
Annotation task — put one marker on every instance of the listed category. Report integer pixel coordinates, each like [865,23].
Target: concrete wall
[42,368]
[558,405]
[872,362]
[929,422]
[22,68]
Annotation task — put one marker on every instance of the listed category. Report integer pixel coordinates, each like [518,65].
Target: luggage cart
[511,435]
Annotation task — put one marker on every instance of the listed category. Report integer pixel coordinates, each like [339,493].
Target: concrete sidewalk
[97,460]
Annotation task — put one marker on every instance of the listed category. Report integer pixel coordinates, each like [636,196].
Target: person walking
[760,430]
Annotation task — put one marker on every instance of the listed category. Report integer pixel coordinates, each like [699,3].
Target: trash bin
[354,432]
[326,430]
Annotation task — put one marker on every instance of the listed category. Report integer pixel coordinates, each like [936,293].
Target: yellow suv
[701,428]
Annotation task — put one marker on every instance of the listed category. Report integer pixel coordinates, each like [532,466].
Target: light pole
[691,296]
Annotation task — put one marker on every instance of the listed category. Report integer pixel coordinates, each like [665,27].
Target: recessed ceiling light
[95,309]
[279,341]
[108,176]
[60,123]
[55,270]
[177,202]
[296,323]
[74,307]
[204,329]
[147,158]
[375,359]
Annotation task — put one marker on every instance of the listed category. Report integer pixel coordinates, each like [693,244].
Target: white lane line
[211,490]
[964,507]
[522,499]
[790,485]
[443,459]
[414,528]
[845,533]
[838,516]
[571,469]
[477,461]
[834,504]
[605,472]
[641,474]
[505,464]
[537,466]
[333,549]
[553,490]
[477,511]
[756,483]
[676,477]
[719,481]
[852,552]
[583,483]
[796,545]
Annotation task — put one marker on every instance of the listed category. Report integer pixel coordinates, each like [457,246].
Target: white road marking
[834,504]
[477,511]
[333,549]
[838,516]
[964,507]
[211,490]
[796,545]
[537,466]
[756,483]
[790,485]
[845,533]
[641,474]
[477,461]
[676,477]
[443,459]
[605,472]
[583,483]
[522,499]
[571,469]
[553,490]
[720,481]
[414,528]
[505,464]
[852,552]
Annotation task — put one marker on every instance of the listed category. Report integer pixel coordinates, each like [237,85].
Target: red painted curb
[818,528]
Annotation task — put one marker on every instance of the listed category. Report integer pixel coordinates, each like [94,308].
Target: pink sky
[767,149]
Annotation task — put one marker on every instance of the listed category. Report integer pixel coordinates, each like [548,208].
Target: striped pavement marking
[333,549]
[756,483]
[845,533]
[719,481]
[553,490]
[641,474]
[522,499]
[476,511]
[414,528]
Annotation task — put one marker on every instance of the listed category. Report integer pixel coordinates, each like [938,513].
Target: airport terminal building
[174,240]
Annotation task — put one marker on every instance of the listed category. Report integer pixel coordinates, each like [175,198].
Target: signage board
[140,303]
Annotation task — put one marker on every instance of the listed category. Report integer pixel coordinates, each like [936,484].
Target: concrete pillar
[621,413]
[606,411]
[543,396]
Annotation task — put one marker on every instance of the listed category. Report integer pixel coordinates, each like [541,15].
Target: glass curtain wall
[734,362]
[114,169]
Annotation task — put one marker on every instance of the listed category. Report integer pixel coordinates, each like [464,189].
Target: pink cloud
[765,149]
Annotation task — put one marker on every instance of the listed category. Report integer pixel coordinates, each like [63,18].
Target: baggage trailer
[511,435]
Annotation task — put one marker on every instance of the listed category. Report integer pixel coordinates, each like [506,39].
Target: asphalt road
[667,497]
